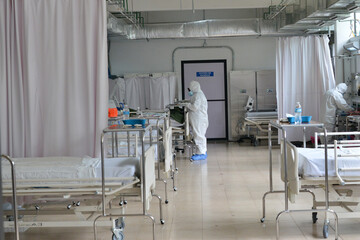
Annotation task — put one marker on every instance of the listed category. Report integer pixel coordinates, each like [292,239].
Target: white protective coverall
[334,101]
[198,116]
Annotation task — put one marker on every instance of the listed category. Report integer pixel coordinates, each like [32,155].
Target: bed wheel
[326,230]
[262,220]
[120,225]
[162,221]
[256,143]
[175,189]
[37,208]
[122,202]
[121,236]
[166,201]
[68,206]
[314,217]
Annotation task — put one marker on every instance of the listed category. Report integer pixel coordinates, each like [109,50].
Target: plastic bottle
[126,112]
[138,112]
[298,113]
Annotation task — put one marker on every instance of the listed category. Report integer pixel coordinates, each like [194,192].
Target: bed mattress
[311,162]
[71,168]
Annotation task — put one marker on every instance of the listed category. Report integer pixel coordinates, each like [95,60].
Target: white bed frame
[343,191]
[98,195]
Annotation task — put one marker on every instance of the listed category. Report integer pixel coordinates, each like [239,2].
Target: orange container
[112,112]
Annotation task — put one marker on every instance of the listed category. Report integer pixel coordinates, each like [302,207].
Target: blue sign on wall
[204,74]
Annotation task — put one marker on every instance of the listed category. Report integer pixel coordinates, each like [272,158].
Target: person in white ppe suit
[198,118]
[335,101]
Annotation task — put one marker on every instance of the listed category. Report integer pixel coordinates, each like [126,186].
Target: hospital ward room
[180,119]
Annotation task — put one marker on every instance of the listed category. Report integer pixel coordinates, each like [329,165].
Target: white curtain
[153,91]
[303,74]
[135,92]
[162,90]
[53,77]
[117,89]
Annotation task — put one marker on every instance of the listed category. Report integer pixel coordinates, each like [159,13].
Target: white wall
[141,56]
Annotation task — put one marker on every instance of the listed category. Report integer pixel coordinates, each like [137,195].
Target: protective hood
[195,86]
[342,87]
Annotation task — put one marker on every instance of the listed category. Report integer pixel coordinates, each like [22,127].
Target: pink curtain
[53,77]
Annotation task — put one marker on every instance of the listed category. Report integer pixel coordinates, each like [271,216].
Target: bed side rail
[292,169]
[13,180]
[319,145]
[258,123]
[338,146]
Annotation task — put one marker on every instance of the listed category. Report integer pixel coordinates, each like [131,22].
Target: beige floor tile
[220,198]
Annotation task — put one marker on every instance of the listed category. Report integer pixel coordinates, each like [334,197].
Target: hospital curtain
[154,91]
[53,77]
[303,74]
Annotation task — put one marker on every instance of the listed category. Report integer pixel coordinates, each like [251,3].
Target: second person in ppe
[198,118]
[335,101]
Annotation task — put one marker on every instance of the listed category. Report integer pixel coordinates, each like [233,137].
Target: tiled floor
[220,198]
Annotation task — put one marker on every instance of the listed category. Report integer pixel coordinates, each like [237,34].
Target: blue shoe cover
[197,157]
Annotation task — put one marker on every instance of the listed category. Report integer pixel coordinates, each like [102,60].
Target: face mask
[190,93]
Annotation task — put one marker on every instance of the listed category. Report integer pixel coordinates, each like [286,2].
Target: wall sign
[204,74]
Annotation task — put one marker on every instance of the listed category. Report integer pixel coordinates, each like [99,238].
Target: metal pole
[304,129]
[151,140]
[143,180]
[285,169]
[116,144]
[112,145]
[128,140]
[158,146]
[270,157]
[102,173]
[15,211]
[326,172]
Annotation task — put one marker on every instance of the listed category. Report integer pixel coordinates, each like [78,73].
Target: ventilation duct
[116,26]
[203,29]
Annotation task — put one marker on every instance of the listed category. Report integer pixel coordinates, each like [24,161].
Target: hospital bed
[289,173]
[308,168]
[160,120]
[146,190]
[162,132]
[81,187]
[255,126]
